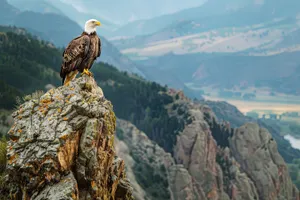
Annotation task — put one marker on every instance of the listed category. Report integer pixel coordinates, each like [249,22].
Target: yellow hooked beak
[98,23]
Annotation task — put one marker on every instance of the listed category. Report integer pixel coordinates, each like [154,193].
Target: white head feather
[91,25]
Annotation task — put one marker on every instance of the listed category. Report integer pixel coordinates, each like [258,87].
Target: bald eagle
[81,53]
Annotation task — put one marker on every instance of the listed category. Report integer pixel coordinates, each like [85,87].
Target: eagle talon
[87,72]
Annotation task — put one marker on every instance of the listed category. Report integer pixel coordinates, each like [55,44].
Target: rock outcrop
[62,147]
[256,152]
[223,163]
[196,150]
[140,152]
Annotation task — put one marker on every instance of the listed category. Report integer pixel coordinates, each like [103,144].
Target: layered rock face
[62,147]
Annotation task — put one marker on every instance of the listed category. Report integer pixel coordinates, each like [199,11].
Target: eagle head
[90,26]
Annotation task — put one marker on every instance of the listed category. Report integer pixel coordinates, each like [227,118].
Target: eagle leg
[87,72]
[67,81]
[73,75]
[70,77]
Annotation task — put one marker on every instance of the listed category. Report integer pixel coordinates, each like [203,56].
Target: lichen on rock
[61,146]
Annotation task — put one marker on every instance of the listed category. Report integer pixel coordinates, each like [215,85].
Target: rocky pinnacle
[61,146]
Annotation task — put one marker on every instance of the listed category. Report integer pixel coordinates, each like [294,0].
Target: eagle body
[80,55]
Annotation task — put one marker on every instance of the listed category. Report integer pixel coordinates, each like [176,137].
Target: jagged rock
[148,163]
[236,183]
[245,173]
[196,149]
[139,151]
[256,152]
[182,184]
[61,147]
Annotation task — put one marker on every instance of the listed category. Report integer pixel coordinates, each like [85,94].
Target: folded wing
[75,53]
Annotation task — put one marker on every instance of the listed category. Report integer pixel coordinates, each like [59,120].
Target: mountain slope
[51,27]
[26,65]
[224,34]
[8,12]
[250,27]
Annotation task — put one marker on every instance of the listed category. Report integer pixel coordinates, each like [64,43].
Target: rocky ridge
[228,163]
[61,146]
[137,149]
[210,161]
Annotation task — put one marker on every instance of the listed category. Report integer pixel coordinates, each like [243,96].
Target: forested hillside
[141,102]
[26,65]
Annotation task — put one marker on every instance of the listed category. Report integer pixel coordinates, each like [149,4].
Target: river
[294,141]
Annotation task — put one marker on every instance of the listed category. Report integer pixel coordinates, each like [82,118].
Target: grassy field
[263,103]
[260,106]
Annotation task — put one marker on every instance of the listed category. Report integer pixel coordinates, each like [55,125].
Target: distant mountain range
[221,43]
[216,26]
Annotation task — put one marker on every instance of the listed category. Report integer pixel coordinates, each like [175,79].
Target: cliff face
[241,163]
[256,151]
[196,150]
[152,171]
[62,147]
[227,112]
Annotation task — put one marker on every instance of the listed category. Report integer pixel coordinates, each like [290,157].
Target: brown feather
[80,53]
